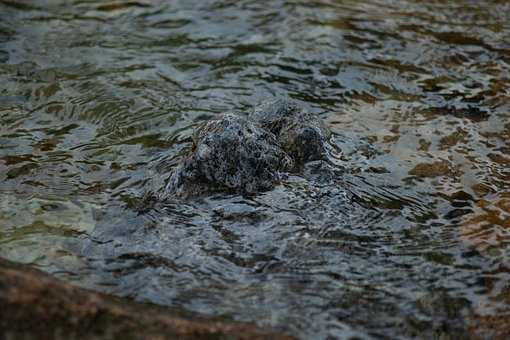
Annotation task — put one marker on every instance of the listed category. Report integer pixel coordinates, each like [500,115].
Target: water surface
[98,101]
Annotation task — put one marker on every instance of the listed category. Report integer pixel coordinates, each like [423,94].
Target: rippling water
[98,101]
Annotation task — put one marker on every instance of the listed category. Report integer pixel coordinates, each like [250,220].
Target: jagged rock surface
[251,154]
[231,153]
[302,135]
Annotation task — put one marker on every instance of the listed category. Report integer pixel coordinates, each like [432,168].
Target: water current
[98,101]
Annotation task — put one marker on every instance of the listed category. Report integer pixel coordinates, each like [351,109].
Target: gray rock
[230,154]
[302,135]
[248,155]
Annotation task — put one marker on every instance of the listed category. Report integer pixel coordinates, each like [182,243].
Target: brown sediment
[485,227]
[436,169]
[490,327]
[484,231]
[34,305]
[453,139]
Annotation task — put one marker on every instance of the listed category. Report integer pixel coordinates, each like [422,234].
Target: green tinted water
[97,103]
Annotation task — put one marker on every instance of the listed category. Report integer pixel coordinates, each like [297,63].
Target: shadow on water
[98,101]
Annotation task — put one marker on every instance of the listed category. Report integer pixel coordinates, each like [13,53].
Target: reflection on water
[97,103]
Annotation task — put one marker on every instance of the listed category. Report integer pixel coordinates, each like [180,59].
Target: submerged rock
[249,155]
[38,306]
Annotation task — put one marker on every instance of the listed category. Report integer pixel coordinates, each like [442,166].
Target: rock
[248,155]
[230,154]
[302,135]
[37,306]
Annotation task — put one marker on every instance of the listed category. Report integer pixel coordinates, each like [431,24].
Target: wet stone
[302,135]
[249,155]
[230,154]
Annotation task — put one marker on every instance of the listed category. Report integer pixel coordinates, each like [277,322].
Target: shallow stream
[98,101]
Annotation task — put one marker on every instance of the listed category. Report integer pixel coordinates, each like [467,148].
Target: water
[97,103]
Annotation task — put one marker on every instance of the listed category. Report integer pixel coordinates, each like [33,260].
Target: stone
[38,306]
[302,135]
[249,155]
[230,154]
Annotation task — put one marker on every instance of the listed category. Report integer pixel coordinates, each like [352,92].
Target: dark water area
[411,239]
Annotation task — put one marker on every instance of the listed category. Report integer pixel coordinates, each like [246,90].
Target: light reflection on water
[97,103]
